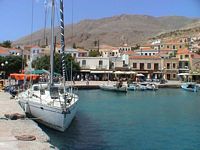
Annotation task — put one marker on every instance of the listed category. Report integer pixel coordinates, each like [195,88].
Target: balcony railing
[101,67]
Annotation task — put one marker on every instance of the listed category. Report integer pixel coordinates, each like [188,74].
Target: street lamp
[2,65]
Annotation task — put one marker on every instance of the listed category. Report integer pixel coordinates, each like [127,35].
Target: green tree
[6,44]
[14,64]
[94,54]
[44,63]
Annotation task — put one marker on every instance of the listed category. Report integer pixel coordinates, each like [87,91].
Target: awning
[101,71]
[139,75]
[18,76]
[84,70]
[183,74]
[124,72]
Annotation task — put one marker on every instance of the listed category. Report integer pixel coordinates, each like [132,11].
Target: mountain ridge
[115,30]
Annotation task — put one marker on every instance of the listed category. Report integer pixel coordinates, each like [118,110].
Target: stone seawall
[22,134]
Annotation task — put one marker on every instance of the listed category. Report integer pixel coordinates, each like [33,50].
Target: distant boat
[190,86]
[150,86]
[142,86]
[118,87]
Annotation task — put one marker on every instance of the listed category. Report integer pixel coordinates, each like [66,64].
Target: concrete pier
[9,129]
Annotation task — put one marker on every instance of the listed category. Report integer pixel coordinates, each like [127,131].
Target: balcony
[101,67]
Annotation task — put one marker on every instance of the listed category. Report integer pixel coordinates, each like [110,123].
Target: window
[146,54]
[168,65]
[186,56]
[134,65]
[181,57]
[100,62]
[149,54]
[141,66]
[167,46]
[173,47]
[149,66]
[83,62]
[174,76]
[156,66]
[174,65]
[180,46]
[186,65]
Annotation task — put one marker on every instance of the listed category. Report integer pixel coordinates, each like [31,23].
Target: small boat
[132,86]
[151,86]
[114,87]
[190,86]
[142,86]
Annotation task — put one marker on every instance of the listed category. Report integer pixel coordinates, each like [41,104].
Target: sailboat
[52,105]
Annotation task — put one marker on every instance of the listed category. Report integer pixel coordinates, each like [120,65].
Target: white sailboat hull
[51,117]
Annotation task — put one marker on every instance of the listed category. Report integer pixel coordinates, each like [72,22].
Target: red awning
[18,76]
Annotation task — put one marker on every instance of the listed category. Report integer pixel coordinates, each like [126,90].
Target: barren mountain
[116,30]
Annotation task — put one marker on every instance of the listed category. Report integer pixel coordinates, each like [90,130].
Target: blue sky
[16,14]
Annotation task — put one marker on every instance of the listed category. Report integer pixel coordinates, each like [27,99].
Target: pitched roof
[144,57]
[128,52]
[4,51]
[183,51]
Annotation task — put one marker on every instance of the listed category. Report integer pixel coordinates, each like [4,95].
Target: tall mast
[52,42]
[62,40]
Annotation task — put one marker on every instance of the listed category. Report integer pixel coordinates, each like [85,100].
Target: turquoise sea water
[168,119]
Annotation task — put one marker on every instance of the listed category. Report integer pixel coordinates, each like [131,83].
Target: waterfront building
[169,68]
[149,66]
[184,56]
[94,68]
[93,63]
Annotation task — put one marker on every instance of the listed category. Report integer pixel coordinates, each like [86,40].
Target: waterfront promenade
[11,129]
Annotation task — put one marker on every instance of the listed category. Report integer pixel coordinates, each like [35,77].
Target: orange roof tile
[146,48]
[129,52]
[3,50]
[183,51]
[144,57]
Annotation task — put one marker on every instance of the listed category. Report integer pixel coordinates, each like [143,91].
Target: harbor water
[166,119]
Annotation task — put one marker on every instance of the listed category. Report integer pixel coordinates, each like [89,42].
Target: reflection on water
[164,119]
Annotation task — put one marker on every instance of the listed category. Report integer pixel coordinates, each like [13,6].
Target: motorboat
[114,87]
[190,86]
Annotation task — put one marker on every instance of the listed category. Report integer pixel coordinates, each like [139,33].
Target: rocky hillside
[116,30]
